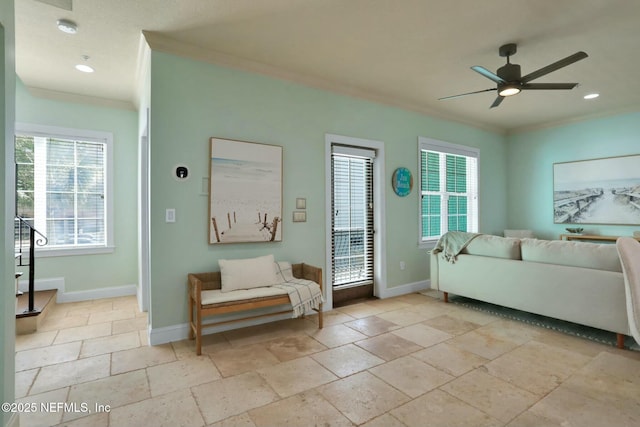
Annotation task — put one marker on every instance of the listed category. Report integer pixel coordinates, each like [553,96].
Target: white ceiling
[402,52]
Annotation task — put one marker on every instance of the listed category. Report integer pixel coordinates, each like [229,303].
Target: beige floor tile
[35,340]
[388,346]
[358,311]
[384,420]
[388,304]
[242,420]
[114,391]
[333,317]
[423,335]
[174,409]
[429,310]
[126,303]
[362,397]
[536,367]
[238,360]
[529,419]
[372,326]
[441,409]
[255,334]
[292,347]
[83,332]
[565,407]
[482,343]
[129,325]
[336,335]
[70,373]
[109,344]
[411,376]
[98,419]
[571,343]
[511,331]
[227,397]
[57,323]
[402,317]
[450,359]
[491,395]
[413,298]
[347,360]
[36,416]
[287,413]
[92,307]
[470,315]
[295,376]
[141,357]
[173,376]
[451,325]
[144,337]
[24,379]
[110,316]
[46,356]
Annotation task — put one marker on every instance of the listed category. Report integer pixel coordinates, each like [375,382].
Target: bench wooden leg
[446,296]
[320,321]
[620,340]
[191,303]
[198,331]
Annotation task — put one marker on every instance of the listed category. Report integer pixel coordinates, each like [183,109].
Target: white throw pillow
[247,273]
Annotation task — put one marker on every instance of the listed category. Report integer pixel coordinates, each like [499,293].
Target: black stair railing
[22,226]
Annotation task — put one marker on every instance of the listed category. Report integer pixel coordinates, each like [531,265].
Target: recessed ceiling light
[67,26]
[84,68]
[591,96]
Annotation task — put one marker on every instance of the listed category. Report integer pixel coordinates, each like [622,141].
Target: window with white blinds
[448,188]
[352,220]
[61,188]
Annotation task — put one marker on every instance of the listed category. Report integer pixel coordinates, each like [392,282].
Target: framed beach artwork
[245,192]
[597,191]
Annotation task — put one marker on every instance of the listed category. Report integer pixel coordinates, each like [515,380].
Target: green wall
[531,157]
[88,272]
[7,297]
[192,101]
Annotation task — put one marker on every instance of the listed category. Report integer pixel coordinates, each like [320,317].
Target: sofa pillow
[494,246]
[599,256]
[247,273]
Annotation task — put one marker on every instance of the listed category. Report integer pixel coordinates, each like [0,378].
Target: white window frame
[82,135]
[473,191]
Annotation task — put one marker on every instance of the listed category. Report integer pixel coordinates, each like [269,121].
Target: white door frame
[379,240]
[144,234]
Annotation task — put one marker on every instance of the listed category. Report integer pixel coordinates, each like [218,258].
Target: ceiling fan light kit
[509,80]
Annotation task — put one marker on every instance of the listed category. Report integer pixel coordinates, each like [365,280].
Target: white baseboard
[91,294]
[404,289]
[180,332]
[115,291]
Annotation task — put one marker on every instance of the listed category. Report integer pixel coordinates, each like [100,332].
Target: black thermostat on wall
[181,172]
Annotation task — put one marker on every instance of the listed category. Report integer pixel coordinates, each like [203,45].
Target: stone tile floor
[406,361]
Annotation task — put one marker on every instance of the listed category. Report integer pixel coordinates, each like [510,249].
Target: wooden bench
[199,282]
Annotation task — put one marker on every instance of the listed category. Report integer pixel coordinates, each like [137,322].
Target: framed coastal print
[597,191]
[245,192]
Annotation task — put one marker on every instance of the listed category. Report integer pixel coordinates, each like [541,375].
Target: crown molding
[80,99]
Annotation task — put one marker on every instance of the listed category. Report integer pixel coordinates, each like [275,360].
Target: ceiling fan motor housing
[509,73]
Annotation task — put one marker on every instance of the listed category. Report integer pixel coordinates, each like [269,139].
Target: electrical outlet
[402,265]
[170,215]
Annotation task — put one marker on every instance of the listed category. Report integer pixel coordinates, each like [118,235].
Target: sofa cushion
[247,273]
[599,256]
[494,246]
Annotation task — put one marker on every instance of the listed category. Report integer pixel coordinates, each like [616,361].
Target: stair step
[28,322]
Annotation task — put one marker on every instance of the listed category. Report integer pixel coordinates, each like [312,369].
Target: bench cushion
[216,296]
[247,273]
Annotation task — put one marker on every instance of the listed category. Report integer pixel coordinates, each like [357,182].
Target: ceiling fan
[508,79]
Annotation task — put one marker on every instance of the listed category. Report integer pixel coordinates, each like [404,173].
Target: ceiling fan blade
[555,66]
[488,74]
[497,101]
[465,94]
[551,86]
